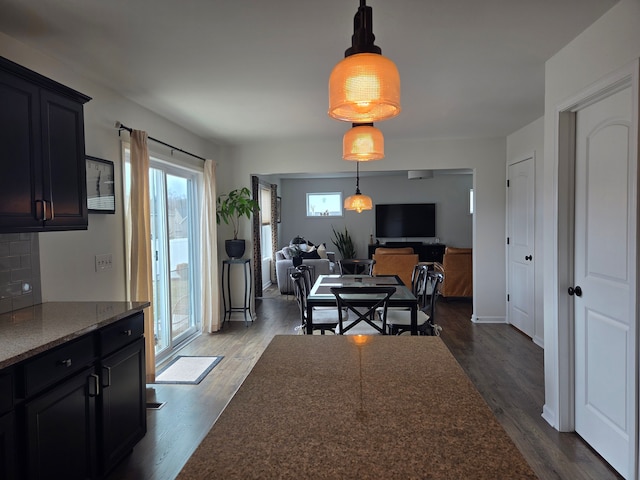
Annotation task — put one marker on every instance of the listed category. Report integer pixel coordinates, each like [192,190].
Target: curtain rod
[121,127]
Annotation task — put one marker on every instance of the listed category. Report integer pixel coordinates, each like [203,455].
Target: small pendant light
[358,201]
[363,143]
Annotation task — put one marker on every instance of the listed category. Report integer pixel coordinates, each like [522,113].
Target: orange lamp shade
[364,88]
[358,202]
[363,143]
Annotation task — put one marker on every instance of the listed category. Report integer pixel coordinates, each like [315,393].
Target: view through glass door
[174,238]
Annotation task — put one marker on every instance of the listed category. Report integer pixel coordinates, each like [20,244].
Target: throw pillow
[322,250]
[287,252]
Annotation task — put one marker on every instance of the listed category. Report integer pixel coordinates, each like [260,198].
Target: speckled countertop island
[343,407]
[29,331]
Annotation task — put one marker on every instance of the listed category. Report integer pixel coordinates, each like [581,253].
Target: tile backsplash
[19,271]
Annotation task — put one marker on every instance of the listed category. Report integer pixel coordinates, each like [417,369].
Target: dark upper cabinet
[42,157]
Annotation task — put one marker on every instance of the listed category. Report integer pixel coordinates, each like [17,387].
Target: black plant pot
[234,248]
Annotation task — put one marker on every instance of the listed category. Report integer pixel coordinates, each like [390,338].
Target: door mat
[187,370]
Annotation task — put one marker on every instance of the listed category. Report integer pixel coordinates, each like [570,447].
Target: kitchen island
[357,406]
[72,388]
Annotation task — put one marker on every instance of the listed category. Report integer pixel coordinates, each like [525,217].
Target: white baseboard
[477,319]
[549,416]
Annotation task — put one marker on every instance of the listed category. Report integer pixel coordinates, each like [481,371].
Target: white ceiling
[245,70]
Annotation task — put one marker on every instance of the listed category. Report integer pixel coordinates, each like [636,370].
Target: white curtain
[139,242]
[210,291]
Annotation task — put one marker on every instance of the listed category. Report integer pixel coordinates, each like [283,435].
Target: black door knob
[529,257]
[577,291]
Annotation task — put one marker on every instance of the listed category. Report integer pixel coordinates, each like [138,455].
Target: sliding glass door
[174,238]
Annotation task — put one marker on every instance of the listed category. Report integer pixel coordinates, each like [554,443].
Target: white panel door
[605,272]
[520,231]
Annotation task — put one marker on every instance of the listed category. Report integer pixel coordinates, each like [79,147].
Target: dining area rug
[357,407]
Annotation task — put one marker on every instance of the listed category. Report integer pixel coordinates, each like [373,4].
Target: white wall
[486,157]
[610,43]
[67,258]
[450,193]
[520,145]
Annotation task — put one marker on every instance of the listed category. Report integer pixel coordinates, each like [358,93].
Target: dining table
[320,294]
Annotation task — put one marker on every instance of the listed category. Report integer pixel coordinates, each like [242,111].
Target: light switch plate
[104,262]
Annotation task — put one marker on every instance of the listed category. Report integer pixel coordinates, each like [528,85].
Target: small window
[324,204]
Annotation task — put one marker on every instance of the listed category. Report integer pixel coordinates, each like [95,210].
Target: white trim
[559,409]
[477,319]
[522,158]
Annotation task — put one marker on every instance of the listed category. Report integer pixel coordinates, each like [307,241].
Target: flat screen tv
[401,220]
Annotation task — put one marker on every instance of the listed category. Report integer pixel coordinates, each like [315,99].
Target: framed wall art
[101,196]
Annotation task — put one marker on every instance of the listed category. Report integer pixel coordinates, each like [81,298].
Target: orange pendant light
[358,201]
[365,86]
[363,143]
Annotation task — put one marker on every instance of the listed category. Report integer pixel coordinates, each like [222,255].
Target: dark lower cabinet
[122,403]
[61,426]
[8,446]
[78,408]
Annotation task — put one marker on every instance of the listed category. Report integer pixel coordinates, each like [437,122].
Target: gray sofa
[284,266]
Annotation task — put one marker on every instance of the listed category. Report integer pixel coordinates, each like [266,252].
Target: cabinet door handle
[93,385]
[127,332]
[106,371]
[65,363]
[44,210]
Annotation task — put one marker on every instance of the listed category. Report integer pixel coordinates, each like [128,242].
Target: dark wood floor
[505,366]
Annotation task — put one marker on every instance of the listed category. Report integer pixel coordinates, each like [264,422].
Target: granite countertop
[365,407]
[26,332]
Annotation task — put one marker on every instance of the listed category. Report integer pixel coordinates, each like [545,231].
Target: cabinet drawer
[57,364]
[6,392]
[121,333]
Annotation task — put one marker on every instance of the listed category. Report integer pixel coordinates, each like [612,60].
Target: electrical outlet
[104,262]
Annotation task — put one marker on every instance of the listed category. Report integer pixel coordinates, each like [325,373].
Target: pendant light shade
[358,201]
[365,86]
[363,143]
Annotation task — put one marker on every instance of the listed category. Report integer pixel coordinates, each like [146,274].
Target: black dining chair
[308,283]
[363,302]
[324,320]
[356,266]
[419,286]
[399,321]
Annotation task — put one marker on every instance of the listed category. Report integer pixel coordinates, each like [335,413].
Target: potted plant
[344,243]
[229,208]
[296,255]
